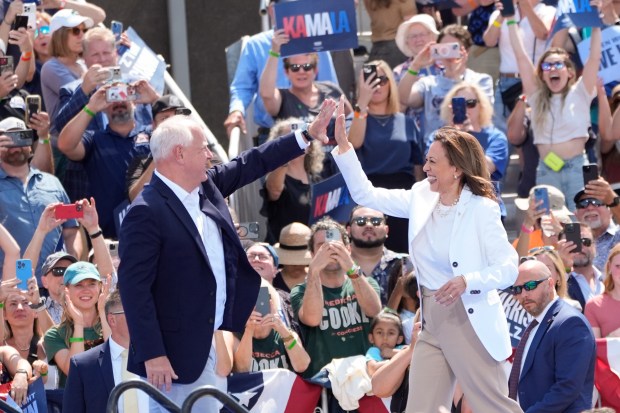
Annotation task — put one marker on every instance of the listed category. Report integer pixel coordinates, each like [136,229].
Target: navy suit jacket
[558,373]
[89,382]
[574,291]
[165,278]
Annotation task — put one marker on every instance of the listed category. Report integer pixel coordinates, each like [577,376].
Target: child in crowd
[386,336]
[403,293]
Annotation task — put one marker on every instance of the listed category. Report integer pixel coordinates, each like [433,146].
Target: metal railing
[222,397]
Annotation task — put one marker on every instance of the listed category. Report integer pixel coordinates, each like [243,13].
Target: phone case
[23,271]
[459,111]
[590,173]
[263,305]
[541,194]
[573,233]
[70,211]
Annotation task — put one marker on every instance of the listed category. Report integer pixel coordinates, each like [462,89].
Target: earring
[456,177]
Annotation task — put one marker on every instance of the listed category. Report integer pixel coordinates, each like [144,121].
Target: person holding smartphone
[461,255]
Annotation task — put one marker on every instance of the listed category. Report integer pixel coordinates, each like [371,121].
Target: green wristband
[1,305]
[413,72]
[511,22]
[290,346]
[89,112]
[274,54]
[76,340]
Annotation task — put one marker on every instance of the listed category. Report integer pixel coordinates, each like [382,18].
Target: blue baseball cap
[79,271]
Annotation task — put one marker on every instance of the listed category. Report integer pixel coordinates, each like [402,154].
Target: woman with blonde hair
[549,256]
[602,311]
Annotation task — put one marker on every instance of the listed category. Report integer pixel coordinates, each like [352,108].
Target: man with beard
[106,153]
[368,231]
[25,192]
[594,206]
[335,304]
[585,281]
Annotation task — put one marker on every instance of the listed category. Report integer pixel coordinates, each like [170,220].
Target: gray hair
[176,130]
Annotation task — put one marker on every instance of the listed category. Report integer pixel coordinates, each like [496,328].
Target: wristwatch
[355,272]
[615,202]
[302,129]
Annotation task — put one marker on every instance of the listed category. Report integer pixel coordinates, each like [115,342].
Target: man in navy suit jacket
[557,373]
[183,271]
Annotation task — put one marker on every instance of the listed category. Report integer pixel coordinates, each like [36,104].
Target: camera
[120,92]
[113,73]
[6,64]
[446,51]
[248,230]
[20,138]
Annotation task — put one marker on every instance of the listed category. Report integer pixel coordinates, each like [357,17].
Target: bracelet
[89,112]
[1,305]
[413,72]
[290,346]
[274,54]
[360,115]
[95,235]
[26,56]
[21,371]
[352,270]
[526,229]
[43,374]
[44,141]
[497,24]
[76,340]
[473,4]
[511,22]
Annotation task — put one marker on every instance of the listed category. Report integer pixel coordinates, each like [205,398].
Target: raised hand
[318,128]
[340,132]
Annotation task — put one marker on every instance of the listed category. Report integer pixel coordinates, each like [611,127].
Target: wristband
[473,4]
[526,229]
[359,115]
[523,98]
[76,340]
[95,235]
[274,54]
[89,112]
[497,24]
[43,374]
[413,72]
[290,346]
[511,22]
[1,305]
[352,270]
[44,141]
[26,56]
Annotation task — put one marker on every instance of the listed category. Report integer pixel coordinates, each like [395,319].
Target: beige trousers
[448,350]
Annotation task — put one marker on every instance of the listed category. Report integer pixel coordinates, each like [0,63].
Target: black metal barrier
[164,401]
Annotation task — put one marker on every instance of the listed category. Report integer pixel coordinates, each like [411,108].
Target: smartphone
[20,138]
[30,10]
[446,51]
[69,211]
[263,305]
[117,29]
[368,70]
[332,234]
[23,271]
[33,105]
[113,74]
[572,233]
[590,173]
[541,194]
[459,110]
[248,230]
[508,8]
[21,20]
[120,93]
[6,64]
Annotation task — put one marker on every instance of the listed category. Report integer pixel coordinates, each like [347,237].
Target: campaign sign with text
[35,400]
[580,13]
[610,56]
[331,197]
[140,62]
[317,25]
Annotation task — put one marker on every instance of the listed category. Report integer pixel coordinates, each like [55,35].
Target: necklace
[445,210]
[382,120]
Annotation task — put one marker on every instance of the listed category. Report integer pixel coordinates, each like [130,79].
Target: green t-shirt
[54,341]
[269,353]
[343,332]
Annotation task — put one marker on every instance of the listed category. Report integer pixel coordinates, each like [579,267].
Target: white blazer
[479,247]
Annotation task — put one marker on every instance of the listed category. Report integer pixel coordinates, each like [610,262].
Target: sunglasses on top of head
[296,67]
[527,286]
[547,66]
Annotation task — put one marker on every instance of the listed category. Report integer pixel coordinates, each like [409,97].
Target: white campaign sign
[610,57]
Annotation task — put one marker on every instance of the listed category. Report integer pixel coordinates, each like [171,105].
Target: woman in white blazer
[462,256]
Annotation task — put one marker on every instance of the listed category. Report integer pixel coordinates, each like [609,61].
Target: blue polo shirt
[107,157]
[21,207]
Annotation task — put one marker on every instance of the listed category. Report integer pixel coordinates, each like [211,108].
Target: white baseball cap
[12,123]
[69,18]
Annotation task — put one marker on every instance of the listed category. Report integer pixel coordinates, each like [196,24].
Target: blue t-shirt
[389,145]
[374,353]
[107,157]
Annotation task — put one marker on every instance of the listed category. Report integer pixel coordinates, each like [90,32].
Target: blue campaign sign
[580,13]
[140,62]
[317,25]
[331,198]
[35,400]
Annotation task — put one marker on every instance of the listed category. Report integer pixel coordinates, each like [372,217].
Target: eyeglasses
[584,203]
[117,312]
[41,30]
[413,36]
[547,66]
[76,31]
[306,66]
[383,80]
[528,286]
[362,221]
[59,271]
[586,242]
[471,103]
[539,250]
[260,257]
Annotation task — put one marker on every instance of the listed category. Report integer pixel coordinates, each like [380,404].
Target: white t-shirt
[533,47]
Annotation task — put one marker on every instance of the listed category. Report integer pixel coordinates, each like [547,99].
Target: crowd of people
[409,290]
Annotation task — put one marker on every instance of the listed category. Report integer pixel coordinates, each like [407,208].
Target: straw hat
[293,246]
[401,34]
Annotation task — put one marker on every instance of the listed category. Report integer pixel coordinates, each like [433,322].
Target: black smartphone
[541,194]
[368,70]
[21,20]
[459,110]
[573,233]
[508,8]
[263,305]
[590,173]
[33,105]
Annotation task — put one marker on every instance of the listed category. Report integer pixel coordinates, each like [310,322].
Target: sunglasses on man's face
[527,286]
[306,66]
[584,203]
[362,221]
[59,271]
[547,66]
